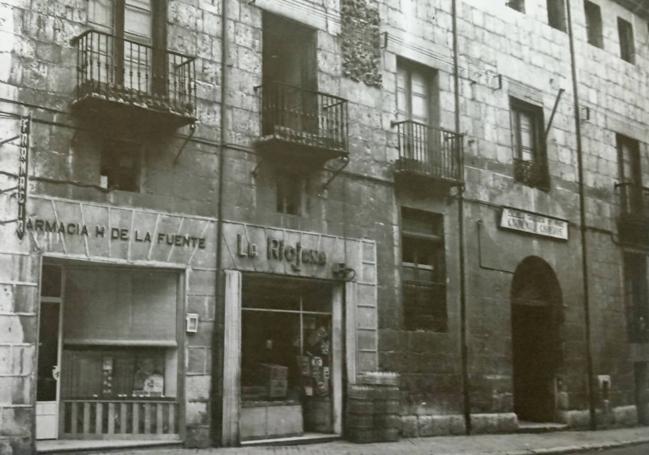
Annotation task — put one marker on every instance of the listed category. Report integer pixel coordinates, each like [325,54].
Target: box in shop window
[274,378]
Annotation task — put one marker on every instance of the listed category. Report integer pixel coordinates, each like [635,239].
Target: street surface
[642,449]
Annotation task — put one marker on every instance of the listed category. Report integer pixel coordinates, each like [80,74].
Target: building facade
[232,221]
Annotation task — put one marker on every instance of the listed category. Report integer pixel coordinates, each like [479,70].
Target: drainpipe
[460,220]
[217,341]
[582,224]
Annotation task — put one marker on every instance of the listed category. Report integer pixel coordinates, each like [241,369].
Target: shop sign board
[94,230]
[533,223]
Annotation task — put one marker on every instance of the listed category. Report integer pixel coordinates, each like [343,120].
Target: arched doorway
[536,348]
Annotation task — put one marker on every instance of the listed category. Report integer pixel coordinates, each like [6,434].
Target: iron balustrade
[532,172]
[634,200]
[302,116]
[118,69]
[434,152]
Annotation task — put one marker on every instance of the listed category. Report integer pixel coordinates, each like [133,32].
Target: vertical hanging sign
[23,173]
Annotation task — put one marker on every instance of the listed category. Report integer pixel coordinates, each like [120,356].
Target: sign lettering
[533,223]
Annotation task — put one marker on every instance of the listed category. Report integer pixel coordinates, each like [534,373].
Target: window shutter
[120,307]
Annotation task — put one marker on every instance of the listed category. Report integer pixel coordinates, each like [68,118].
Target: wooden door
[49,361]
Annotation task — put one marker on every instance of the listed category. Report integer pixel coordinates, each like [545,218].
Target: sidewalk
[562,442]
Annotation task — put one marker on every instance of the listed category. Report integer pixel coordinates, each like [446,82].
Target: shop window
[423,271]
[120,166]
[627,45]
[594,24]
[637,297]
[289,193]
[557,14]
[518,5]
[530,162]
[286,358]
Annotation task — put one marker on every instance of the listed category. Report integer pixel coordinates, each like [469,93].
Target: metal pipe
[217,337]
[464,352]
[582,225]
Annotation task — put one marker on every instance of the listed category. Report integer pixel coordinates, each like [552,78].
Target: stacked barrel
[372,413]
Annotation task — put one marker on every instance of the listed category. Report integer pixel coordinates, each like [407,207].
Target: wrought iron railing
[301,116]
[434,152]
[533,173]
[118,69]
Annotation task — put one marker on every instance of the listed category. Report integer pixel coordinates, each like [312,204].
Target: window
[423,271]
[627,46]
[120,166]
[557,14]
[416,93]
[138,22]
[518,5]
[630,172]
[530,163]
[289,193]
[594,24]
[637,297]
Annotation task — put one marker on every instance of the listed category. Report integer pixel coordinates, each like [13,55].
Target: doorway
[536,348]
[49,354]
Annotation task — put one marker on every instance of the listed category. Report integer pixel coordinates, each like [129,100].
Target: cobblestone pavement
[564,442]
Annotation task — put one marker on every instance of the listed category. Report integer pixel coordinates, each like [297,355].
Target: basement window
[627,45]
[594,24]
[557,14]
[120,166]
[518,5]
[423,271]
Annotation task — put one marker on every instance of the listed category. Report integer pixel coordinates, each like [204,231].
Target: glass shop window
[286,362]
[119,334]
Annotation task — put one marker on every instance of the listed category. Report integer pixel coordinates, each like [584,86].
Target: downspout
[217,342]
[460,215]
[582,227]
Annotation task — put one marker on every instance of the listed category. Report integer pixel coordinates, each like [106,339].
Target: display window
[118,369]
[286,362]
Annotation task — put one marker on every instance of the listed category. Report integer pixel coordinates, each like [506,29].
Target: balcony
[301,126]
[532,173]
[633,221]
[122,81]
[428,153]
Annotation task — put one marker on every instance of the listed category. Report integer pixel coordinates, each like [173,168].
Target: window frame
[636,295]
[557,7]
[111,158]
[626,37]
[158,64]
[435,316]
[594,24]
[285,181]
[533,172]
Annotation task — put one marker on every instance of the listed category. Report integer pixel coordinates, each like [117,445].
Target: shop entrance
[287,359]
[108,360]
[535,318]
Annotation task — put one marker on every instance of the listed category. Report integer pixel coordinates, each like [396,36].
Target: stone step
[539,427]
